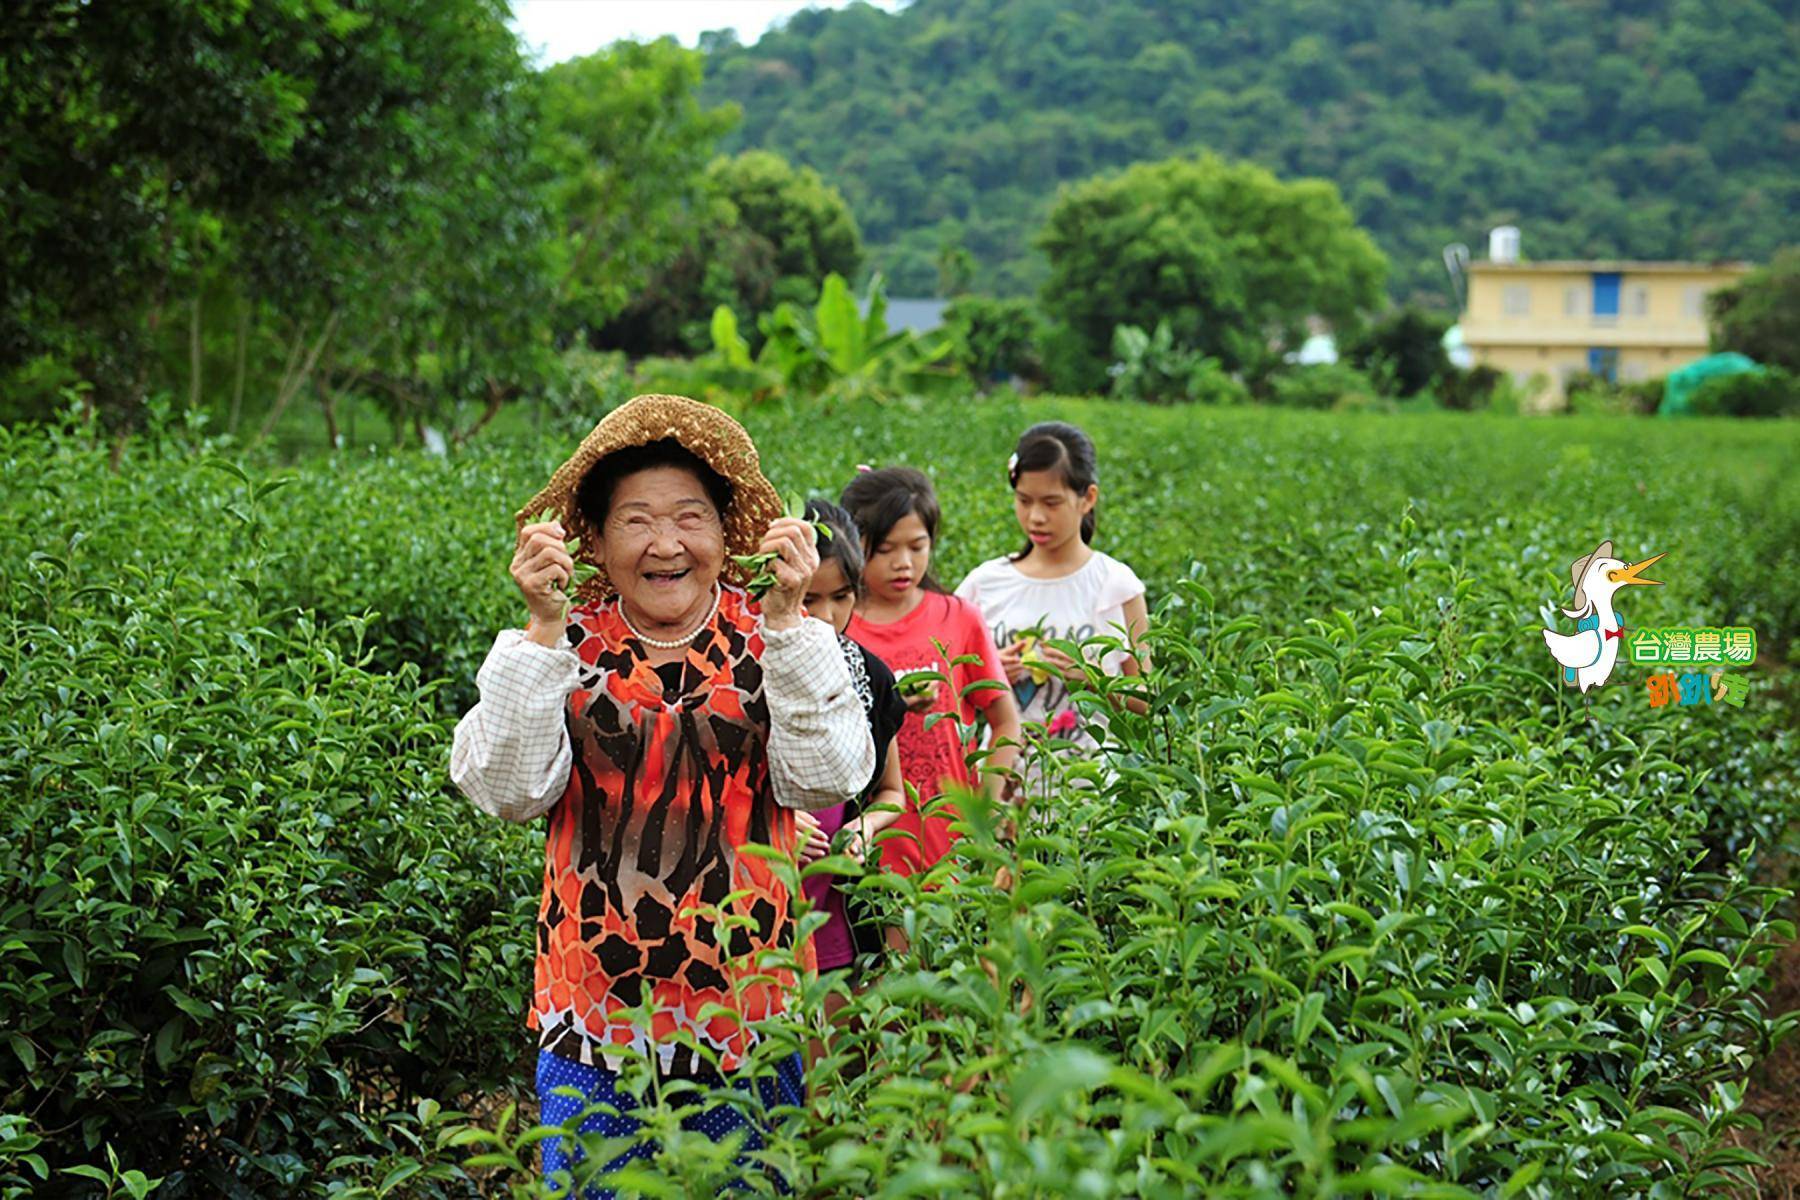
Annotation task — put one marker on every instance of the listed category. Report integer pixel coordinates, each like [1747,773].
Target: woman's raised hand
[540,566]
[794,543]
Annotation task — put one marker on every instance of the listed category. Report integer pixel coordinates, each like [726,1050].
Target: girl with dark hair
[850,930]
[1057,586]
[831,598]
[918,629]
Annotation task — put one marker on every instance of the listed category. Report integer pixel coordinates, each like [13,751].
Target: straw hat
[720,442]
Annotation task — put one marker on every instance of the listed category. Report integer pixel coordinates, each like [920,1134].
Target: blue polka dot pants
[561,1154]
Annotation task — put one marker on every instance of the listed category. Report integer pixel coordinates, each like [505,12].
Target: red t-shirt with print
[932,758]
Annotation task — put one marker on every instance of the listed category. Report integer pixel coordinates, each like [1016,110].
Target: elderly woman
[669,721]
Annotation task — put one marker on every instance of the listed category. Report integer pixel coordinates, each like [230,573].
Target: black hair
[1058,446]
[880,500]
[593,499]
[844,546]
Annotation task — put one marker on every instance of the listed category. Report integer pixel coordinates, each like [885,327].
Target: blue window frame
[1606,293]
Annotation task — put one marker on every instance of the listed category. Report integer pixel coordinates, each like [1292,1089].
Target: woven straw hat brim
[717,440]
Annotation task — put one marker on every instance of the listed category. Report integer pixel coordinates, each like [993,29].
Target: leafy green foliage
[1232,258]
[1592,393]
[762,232]
[1772,392]
[841,349]
[1759,315]
[809,228]
[1651,130]
[1366,901]
[995,338]
[376,203]
[1153,368]
[193,151]
[625,140]
[1406,346]
[238,905]
[1323,385]
[1466,390]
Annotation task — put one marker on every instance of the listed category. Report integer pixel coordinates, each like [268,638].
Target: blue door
[1604,363]
[1606,293]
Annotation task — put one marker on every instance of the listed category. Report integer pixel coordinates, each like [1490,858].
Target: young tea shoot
[757,566]
[583,571]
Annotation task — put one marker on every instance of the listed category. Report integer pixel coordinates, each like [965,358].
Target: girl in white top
[1058,586]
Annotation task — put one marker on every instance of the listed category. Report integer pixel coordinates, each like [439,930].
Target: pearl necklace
[660,644]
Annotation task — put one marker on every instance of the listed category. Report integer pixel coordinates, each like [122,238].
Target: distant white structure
[1503,244]
[1318,350]
[1460,355]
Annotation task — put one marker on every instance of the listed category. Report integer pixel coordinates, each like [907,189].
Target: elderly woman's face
[664,545]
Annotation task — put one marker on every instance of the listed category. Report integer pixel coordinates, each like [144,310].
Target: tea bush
[241,913]
[1365,904]
[1770,392]
[1323,385]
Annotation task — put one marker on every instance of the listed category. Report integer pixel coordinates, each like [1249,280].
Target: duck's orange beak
[1630,574]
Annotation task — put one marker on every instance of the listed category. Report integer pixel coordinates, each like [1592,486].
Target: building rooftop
[916,314]
[1623,266]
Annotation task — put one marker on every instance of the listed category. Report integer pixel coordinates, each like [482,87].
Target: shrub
[1365,896]
[1468,390]
[1153,369]
[995,338]
[1588,393]
[587,384]
[1328,911]
[1326,385]
[240,909]
[1770,392]
[1408,343]
[1759,315]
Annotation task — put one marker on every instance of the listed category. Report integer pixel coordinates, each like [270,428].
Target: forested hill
[1639,128]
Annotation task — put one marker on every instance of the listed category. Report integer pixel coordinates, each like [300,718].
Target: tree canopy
[759,232]
[1231,258]
[214,199]
[1759,315]
[1622,128]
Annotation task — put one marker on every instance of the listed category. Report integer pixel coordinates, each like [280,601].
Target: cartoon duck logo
[1589,654]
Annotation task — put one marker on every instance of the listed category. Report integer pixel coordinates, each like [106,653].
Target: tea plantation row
[1367,904]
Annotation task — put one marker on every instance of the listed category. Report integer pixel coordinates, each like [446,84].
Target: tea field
[1368,904]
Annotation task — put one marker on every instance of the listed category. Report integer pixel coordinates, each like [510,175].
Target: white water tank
[1503,243]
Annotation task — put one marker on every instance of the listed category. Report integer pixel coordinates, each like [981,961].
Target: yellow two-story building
[1545,321]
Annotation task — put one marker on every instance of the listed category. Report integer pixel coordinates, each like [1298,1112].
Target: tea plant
[1365,903]
[757,566]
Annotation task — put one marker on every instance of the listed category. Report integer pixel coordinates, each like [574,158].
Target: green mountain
[1636,128]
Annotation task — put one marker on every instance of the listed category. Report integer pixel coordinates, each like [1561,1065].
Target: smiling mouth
[667,576]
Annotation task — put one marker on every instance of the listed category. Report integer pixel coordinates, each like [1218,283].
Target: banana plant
[840,350]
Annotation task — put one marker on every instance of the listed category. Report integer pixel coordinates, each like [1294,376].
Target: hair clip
[863,468]
[1012,465]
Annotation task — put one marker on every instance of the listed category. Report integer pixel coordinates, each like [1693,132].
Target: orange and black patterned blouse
[647,895]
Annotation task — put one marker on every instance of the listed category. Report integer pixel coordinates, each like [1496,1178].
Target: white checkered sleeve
[511,754]
[820,751]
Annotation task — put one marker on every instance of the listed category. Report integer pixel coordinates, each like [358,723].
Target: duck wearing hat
[1589,654]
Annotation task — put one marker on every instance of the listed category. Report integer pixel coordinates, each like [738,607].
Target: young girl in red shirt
[903,617]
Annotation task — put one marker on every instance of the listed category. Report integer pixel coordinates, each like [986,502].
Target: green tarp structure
[1683,382]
